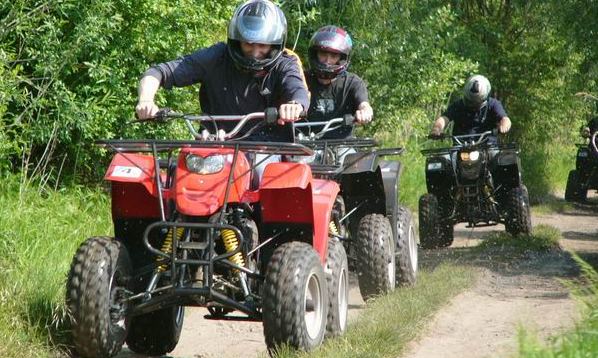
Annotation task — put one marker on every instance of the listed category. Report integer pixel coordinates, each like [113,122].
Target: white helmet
[476,91]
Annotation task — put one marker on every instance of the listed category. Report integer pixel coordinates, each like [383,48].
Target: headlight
[583,154]
[470,156]
[208,165]
[435,166]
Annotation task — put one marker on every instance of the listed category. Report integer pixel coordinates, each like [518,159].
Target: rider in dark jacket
[335,91]
[249,73]
[476,112]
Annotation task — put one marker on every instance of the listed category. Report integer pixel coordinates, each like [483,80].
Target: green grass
[582,341]
[385,326]
[551,204]
[39,233]
[543,238]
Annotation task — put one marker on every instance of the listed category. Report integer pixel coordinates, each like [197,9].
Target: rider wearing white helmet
[476,112]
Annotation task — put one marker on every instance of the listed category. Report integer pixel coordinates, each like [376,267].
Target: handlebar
[462,139]
[346,120]
[270,115]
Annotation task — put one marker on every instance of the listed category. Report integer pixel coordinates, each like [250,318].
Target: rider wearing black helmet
[334,91]
[476,112]
[250,72]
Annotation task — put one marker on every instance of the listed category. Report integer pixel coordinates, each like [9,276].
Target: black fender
[506,168]
[391,174]
[369,179]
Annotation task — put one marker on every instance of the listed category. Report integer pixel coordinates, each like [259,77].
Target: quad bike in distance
[474,181]
[585,175]
[193,227]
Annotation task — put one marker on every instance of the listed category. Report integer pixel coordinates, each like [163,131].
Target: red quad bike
[193,228]
[376,230]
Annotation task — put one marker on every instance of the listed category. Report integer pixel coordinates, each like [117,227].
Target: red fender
[203,194]
[288,194]
[134,193]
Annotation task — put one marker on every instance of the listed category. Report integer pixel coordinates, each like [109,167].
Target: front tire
[295,298]
[97,285]
[337,275]
[428,221]
[518,219]
[406,249]
[573,191]
[156,333]
[375,251]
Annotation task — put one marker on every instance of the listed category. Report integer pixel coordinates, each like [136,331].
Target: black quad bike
[585,175]
[476,182]
[368,206]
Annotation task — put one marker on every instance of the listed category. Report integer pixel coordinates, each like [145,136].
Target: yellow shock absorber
[167,247]
[231,243]
[332,229]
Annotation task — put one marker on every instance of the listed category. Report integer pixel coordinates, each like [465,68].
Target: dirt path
[235,337]
[481,322]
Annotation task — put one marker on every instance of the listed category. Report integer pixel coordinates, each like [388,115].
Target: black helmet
[257,21]
[330,39]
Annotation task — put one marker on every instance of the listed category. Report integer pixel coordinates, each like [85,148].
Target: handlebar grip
[271,115]
[348,119]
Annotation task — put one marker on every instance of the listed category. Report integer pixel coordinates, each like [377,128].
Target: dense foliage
[69,69]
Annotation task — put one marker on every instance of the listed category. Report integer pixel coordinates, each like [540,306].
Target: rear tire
[96,286]
[337,280]
[406,249]
[375,251]
[573,191]
[518,219]
[295,298]
[156,333]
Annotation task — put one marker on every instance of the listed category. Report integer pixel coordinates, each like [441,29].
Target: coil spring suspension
[231,243]
[332,229]
[167,248]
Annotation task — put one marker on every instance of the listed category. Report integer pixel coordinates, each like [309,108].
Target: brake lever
[161,116]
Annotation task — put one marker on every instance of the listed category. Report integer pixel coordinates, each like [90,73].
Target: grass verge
[386,325]
[582,341]
[543,238]
[39,233]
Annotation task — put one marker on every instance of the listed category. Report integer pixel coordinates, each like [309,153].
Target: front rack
[150,145]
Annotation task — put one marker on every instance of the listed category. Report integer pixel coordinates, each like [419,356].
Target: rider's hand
[289,112]
[436,132]
[146,109]
[504,125]
[364,114]
[585,132]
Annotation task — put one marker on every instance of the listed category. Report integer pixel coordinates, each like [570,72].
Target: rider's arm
[148,86]
[504,123]
[439,125]
[294,97]
[364,112]
[183,71]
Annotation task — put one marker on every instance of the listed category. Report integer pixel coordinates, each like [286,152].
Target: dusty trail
[481,322]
